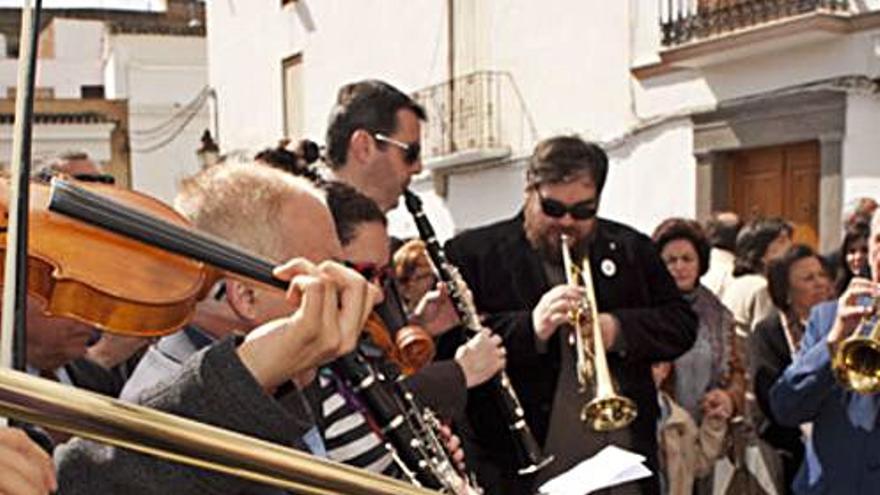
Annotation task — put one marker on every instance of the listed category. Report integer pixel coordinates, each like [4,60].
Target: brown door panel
[779,181]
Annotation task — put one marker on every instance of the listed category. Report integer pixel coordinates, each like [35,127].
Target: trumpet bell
[857,365]
[609,413]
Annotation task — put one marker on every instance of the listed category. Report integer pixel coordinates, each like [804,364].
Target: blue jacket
[843,458]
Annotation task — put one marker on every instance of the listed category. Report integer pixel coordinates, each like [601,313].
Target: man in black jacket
[514,269]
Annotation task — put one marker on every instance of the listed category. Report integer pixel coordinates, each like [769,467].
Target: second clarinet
[529,457]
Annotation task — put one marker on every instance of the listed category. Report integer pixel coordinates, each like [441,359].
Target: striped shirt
[347,434]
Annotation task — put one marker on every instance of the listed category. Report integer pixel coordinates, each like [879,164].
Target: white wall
[570,59]
[402,42]
[76,61]
[806,61]
[861,148]
[160,75]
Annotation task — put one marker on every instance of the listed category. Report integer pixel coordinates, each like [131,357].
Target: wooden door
[779,181]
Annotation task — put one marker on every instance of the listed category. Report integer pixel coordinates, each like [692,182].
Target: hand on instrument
[481,357]
[554,309]
[25,469]
[717,404]
[849,310]
[453,446]
[332,303]
[435,312]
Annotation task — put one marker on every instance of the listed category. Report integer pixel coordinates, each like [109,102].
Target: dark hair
[778,273]
[752,243]
[294,162]
[350,208]
[853,233]
[370,105]
[561,158]
[673,229]
[721,230]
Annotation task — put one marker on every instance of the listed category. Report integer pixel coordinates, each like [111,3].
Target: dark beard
[547,241]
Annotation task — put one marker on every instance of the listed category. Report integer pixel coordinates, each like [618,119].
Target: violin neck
[105,213]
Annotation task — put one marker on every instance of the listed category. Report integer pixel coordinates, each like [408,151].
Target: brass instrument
[607,410]
[176,439]
[857,359]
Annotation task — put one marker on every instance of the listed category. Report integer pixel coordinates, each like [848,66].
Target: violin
[129,264]
[109,281]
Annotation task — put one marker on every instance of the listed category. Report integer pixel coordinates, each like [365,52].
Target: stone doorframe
[768,120]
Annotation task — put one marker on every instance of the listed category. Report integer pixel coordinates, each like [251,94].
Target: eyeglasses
[411,151]
[583,210]
[372,272]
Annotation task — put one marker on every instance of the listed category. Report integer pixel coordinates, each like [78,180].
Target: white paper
[611,466]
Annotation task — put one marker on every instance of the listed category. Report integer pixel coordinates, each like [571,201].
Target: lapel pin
[609,269]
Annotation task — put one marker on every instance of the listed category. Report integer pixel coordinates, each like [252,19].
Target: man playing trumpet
[821,387]
[515,270]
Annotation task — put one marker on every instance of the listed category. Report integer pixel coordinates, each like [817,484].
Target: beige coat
[686,452]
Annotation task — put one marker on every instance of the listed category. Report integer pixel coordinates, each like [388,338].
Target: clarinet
[414,444]
[528,453]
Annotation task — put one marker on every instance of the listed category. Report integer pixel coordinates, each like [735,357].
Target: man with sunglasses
[515,271]
[361,229]
[373,140]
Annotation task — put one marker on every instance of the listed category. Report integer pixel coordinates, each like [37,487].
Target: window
[293,96]
[92,92]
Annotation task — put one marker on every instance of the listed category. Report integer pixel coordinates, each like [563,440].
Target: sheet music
[611,466]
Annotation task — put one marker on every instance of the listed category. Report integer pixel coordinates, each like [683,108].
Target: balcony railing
[479,111]
[683,21]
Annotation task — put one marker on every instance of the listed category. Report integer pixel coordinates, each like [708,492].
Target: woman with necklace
[797,281]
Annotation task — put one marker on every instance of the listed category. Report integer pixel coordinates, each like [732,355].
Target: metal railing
[479,111]
[683,21]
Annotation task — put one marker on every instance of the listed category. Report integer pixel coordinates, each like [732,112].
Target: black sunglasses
[372,272]
[583,210]
[411,151]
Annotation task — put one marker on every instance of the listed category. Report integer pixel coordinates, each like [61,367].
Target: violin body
[109,281]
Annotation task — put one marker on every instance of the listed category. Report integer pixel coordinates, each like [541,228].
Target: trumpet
[857,360]
[607,410]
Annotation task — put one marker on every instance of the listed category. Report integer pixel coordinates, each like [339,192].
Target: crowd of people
[722,334]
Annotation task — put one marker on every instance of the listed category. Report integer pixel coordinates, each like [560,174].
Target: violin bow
[14,331]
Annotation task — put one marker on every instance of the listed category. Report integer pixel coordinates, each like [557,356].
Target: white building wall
[76,61]
[652,177]
[402,42]
[808,59]
[861,148]
[161,76]
[570,60]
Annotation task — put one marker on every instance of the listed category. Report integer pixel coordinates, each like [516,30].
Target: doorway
[778,181]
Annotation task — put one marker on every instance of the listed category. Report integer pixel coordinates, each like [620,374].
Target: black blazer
[769,356]
[507,279]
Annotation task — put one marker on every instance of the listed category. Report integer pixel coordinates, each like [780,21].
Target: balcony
[474,118]
[686,21]
[692,34]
